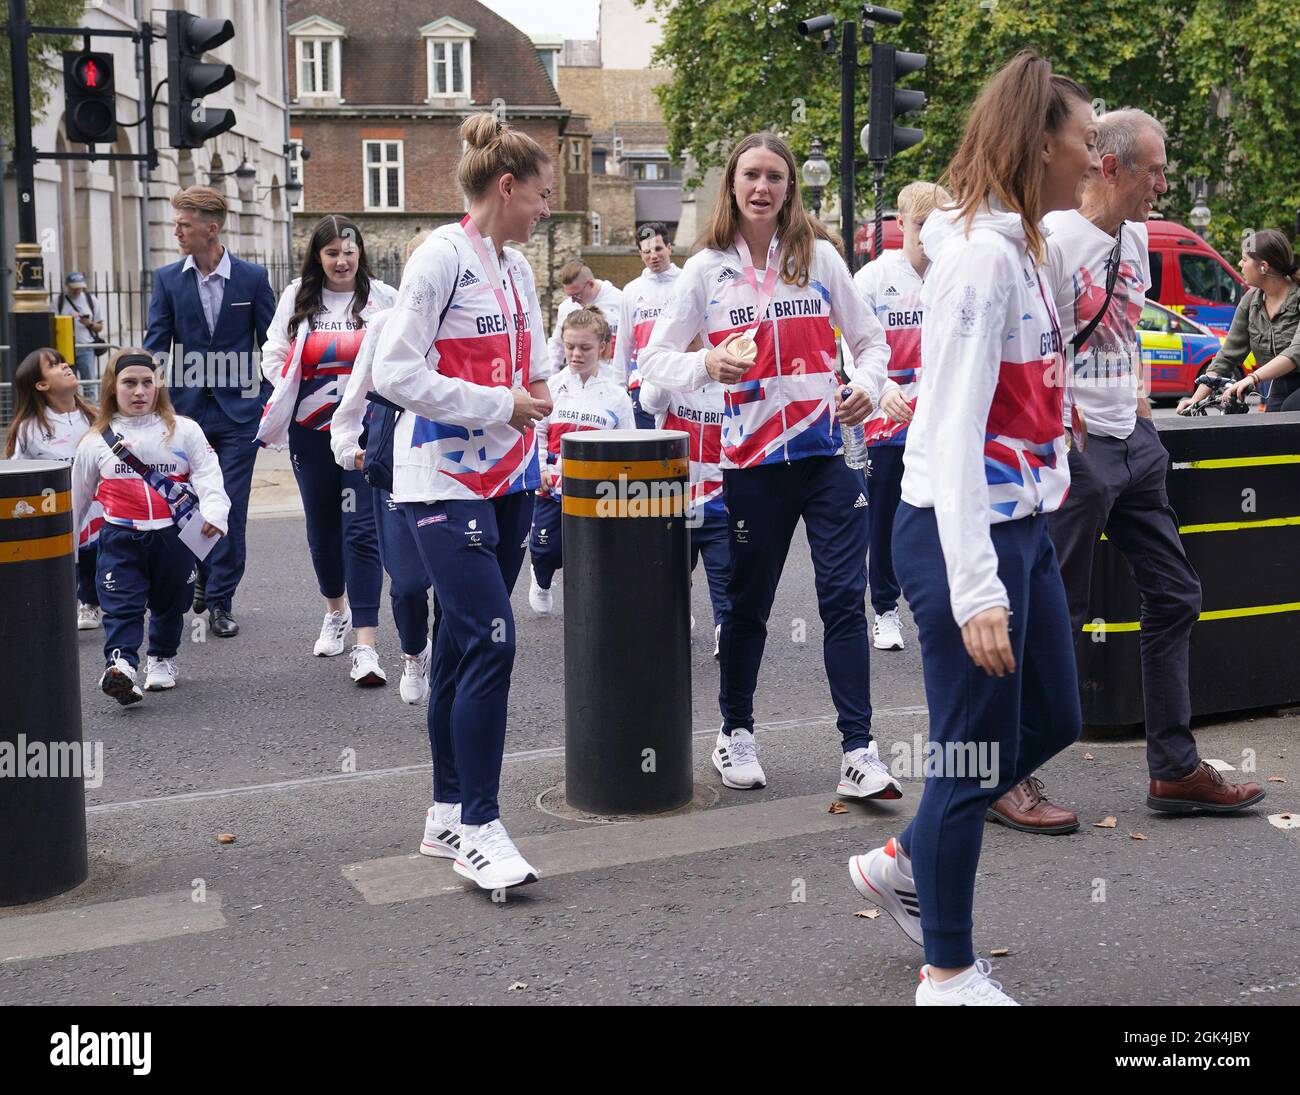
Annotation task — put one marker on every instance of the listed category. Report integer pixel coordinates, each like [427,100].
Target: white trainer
[973,988]
[159,674]
[541,600]
[864,775]
[887,632]
[366,670]
[883,876]
[87,617]
[489,858]
[118,681]
[335,626]
[414,685]
[717,639]
[736,759]
[442,831]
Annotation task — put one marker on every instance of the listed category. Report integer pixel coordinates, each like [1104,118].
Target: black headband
[134,359]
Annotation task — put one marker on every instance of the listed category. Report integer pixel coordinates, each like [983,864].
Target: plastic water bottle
[855,439]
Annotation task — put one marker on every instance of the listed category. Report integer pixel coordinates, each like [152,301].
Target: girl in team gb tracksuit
[769,271]
[581,399]
[463,351]
[985,462]
[310,347]
[142,562]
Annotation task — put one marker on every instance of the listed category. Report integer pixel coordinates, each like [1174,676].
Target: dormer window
[318,49]
[448,54]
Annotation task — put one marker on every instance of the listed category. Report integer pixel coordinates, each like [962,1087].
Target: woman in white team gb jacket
[142,563]
[985,461]
[465,352]
[311,345]
[769,271]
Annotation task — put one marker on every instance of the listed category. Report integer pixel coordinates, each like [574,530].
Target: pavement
[322,899]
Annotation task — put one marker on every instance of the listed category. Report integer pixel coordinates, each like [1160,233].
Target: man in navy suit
[210,313]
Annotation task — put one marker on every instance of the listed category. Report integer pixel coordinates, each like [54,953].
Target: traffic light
[189,79]
[888,66]
[89,111]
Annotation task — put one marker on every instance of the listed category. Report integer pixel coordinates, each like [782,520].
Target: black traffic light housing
[889,65]
[189,79]
[90,115]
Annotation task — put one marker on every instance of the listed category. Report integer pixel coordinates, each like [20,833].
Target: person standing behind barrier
[142,562]
[891,287]
[1266,323]
[310,347]
[465,467]
[985,459]
[50,418]
[769,271]
[581,399]
[408,588]
[87,322]
[700,414]
[210,313]
[582,290]
[643,300]
[1098,262]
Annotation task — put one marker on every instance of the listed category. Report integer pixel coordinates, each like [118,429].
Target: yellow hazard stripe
[1235,462]
[1235,526]
[674,468]
[1218,614]
[622,507]
[30,551]
[35,505]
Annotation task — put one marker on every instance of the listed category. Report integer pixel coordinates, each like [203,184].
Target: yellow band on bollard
[1216,614]
[633,469]
[1234,462]
[622,507]
[35,505]
[28,551]
[1235,526]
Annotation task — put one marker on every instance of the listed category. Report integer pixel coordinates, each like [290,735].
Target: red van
[1191,277]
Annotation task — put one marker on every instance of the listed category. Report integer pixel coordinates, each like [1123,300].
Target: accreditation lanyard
[763,292]
[515,320]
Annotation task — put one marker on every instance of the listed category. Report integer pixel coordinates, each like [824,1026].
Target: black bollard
[42,797]
[627,621]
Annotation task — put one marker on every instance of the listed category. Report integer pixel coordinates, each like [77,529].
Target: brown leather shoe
[1025,808]
[1205,789]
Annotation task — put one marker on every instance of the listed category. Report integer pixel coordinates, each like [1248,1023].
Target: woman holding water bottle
[767,289]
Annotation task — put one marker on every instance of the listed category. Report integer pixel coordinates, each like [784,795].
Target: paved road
[320,899]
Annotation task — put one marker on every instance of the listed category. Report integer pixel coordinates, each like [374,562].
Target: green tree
[42,57]
[1218,73]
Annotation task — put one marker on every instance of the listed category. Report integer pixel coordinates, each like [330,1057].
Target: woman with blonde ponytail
[464,352]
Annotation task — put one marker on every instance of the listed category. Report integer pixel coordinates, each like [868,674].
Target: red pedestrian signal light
[90,115]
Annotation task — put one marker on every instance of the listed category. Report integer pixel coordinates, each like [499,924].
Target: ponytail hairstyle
[1275,249]
[588,318]
[796,228]
[493,149]
[1008,126]
[125,357]
[312,282]
[30,403]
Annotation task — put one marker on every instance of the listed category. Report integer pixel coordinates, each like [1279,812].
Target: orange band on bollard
[28,551]
[677,468]
[623,507]
[35,505]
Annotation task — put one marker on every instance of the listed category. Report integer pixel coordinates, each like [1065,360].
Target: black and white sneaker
[864,775]
[489,858]
[736,759]
[880,877]
[119,681]
[441,831]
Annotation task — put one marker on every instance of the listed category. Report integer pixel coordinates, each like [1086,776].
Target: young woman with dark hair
[985,461]
[50,418]
[310,349]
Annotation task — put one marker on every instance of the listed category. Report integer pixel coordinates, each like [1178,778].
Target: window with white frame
[318,66]
[575,157]
[448,58]
[296,165]
[383,175]
[595,230]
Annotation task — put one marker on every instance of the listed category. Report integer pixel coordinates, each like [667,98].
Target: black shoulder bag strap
[182,501]
[1112,274]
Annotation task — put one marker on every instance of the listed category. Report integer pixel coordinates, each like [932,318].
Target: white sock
[444,812]
[966,976]
[904,863]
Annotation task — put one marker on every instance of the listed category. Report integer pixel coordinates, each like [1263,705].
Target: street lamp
[1199,217]
[245,179]
[816,174]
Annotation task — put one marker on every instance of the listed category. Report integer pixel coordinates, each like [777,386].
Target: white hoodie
[987,443]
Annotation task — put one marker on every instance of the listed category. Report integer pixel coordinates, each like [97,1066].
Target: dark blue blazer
[229,360]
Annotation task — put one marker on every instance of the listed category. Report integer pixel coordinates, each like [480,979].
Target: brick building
[377,103]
